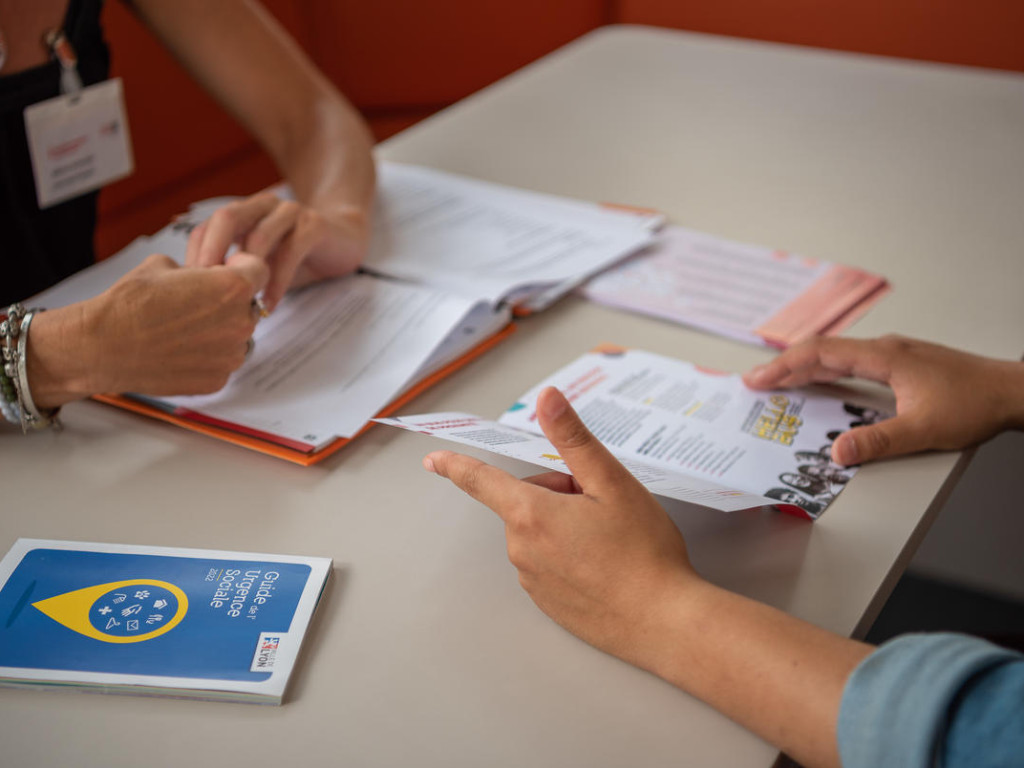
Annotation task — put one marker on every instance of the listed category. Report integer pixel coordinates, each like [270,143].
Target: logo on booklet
[128,611]
[266,651]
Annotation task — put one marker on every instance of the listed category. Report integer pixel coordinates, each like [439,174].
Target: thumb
[590,462]
[891,437]
[253,268]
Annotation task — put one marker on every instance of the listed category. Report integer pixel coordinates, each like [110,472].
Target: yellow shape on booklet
[123,614]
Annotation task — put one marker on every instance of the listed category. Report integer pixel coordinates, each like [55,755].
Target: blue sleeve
[934,700]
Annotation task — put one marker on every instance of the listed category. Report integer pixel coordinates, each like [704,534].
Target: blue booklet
[155,620]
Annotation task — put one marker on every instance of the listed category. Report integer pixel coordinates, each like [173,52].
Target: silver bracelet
[14,330]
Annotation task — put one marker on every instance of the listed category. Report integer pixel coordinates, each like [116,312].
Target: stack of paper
[745,292]
[450,259]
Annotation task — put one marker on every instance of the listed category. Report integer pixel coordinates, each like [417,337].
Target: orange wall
[400,60]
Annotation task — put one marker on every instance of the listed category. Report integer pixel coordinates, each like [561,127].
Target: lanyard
[64,52]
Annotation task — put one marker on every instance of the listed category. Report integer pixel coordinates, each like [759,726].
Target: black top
[39,248]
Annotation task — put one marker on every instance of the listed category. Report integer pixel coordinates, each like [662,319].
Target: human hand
[945,399]
[300,243]
[594,550]
[160,330]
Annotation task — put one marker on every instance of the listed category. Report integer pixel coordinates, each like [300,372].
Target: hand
[945,399]
[160,330]
[301,244]
[595,551]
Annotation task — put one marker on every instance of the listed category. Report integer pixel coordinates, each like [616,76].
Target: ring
[250,345]
[259,307]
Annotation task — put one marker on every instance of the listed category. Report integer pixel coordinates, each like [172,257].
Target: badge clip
[64,52]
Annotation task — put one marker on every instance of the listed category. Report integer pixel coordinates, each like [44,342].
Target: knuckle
[466,476]
[161,261]
[878,440]
[226,216]
[516,553]
[576,435]
[309,218]
[894,343]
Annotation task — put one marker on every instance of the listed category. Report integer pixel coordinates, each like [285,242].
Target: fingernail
[428,464]
[553,403]
[845,452]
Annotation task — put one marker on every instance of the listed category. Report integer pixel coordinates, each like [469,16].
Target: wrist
[660,642]
[60,364]
[1013,395]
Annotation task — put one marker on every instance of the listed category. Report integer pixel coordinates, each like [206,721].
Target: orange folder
[290,450]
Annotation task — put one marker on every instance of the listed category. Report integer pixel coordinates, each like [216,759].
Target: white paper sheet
[332,355]
[490,241]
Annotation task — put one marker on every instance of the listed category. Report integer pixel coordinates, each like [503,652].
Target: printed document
[686,433]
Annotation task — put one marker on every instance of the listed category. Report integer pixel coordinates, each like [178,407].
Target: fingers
[593,466]
[488,485]
[823,360]
[252,268]
[559,482]
[892,437]
[210,241]
[269,232]
[307,232]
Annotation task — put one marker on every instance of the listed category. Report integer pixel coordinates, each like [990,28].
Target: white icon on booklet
[105,610]
[119,598]
[132,610]
[132,625]
[154,618]
[113,623]
[161,603]
[142,594]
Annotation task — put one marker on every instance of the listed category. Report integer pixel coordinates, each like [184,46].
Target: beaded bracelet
[9,406]
[21,409]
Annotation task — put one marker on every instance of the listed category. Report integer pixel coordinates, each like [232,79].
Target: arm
[600,556]
[321,145]
[945,399]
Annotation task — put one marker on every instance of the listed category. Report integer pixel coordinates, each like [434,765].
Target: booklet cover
[686,433]
[153,620]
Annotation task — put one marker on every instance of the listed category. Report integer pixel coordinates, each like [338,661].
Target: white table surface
[425,651]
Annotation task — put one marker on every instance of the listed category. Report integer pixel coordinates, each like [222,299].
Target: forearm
[329,164]
[243,57]
[776,675]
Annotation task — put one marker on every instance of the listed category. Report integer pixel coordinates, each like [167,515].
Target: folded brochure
[684,432]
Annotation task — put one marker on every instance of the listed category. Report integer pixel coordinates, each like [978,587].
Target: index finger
[822,360]
[253,268]
[489,485]
[228,224]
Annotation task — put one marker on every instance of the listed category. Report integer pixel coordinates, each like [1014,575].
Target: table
[425,651]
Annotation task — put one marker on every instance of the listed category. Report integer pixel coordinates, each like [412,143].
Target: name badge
[78,143]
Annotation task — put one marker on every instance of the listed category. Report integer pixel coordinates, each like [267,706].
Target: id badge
[78,143]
